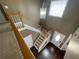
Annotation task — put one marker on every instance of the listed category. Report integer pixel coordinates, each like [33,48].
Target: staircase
[12,38]
[42,41]
[17,20]
[9,48]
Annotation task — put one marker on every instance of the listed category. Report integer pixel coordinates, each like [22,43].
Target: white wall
[72,51]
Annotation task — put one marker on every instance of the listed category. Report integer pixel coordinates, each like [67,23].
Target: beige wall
[12,4]
[68,22]
[29,8]
[2,19]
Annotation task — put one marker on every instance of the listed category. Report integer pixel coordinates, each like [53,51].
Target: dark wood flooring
[49,52]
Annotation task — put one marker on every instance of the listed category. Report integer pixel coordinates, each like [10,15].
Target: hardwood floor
[49,52]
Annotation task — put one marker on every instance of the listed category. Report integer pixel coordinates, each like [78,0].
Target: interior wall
[28,8]
[70,20]
[72,51]
[12,4]
[2,19]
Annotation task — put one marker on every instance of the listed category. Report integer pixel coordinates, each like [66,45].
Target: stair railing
[27,53]
[16,18]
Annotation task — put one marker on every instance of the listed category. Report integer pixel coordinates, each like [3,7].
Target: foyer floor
[49,52]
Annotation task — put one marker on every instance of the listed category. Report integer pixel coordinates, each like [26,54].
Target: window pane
[57,8]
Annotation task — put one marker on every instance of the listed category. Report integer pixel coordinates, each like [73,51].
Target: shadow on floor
[49,52]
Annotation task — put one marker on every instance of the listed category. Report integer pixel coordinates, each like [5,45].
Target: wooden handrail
[27,53]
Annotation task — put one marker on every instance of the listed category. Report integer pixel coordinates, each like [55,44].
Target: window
[57,8]
[42,13]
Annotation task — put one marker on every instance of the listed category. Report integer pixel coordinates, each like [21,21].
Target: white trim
[29,28]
